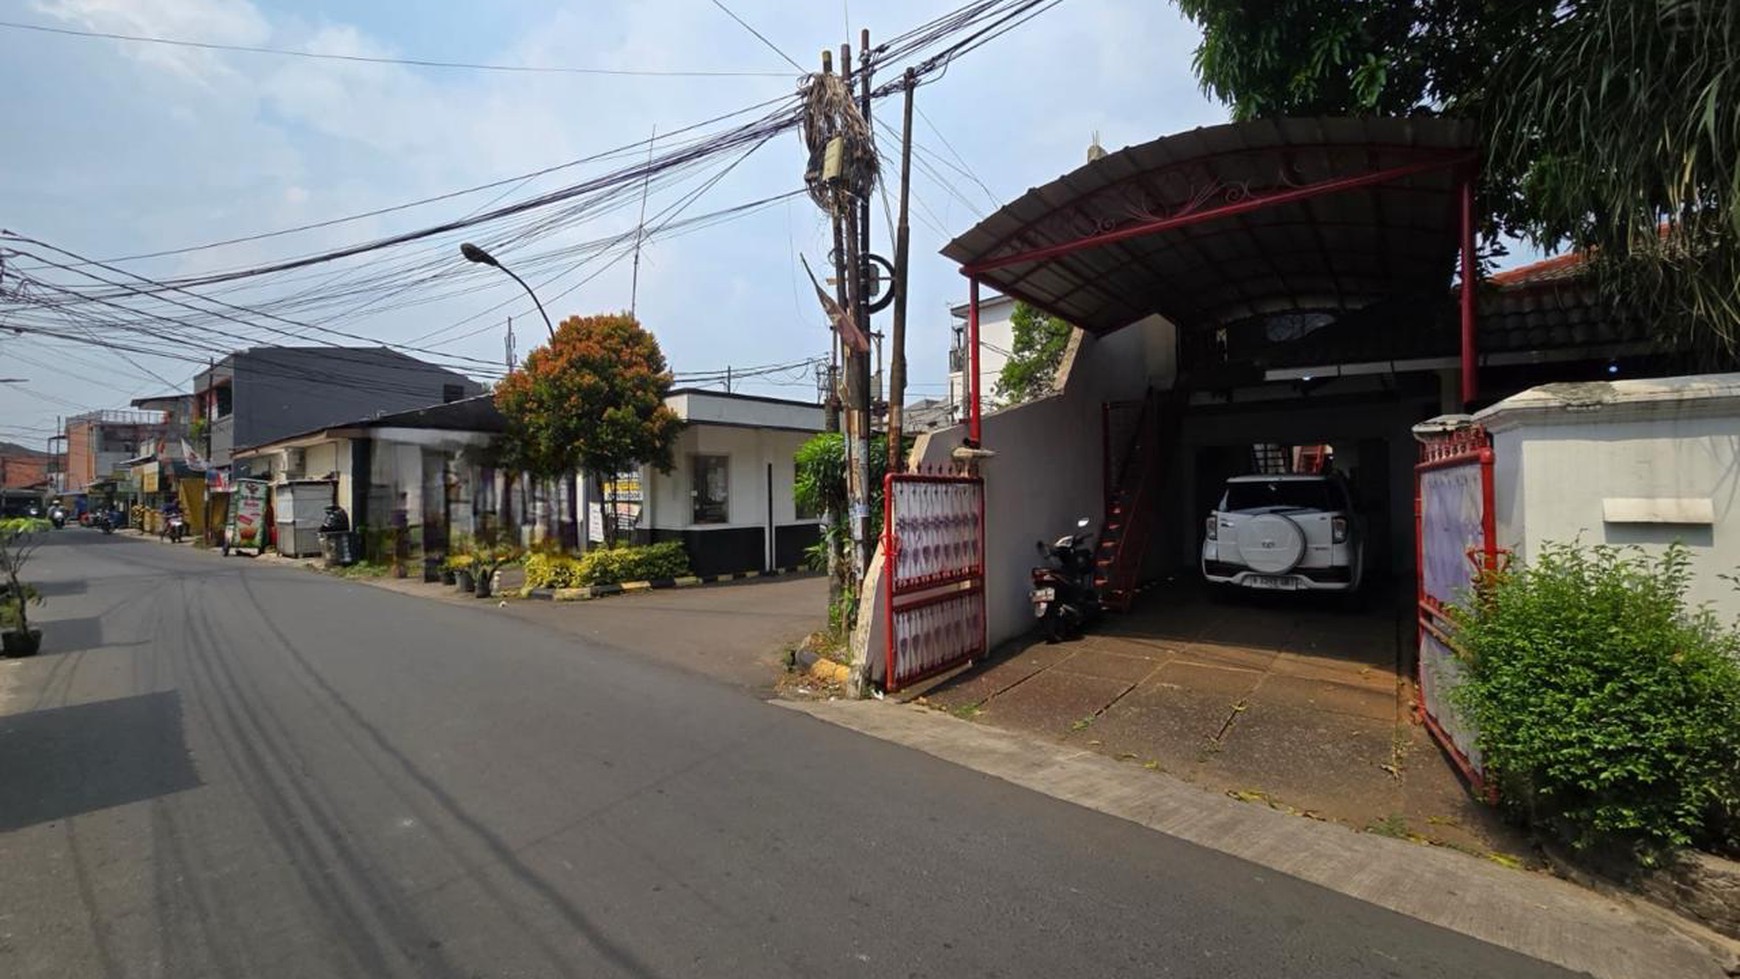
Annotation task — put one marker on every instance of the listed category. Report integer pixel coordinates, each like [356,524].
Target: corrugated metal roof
[1338,251]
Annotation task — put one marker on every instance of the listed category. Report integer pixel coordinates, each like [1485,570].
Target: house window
[802,512]
[709,492]
[221,401]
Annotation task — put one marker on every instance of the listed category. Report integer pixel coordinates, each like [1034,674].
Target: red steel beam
[973,360]
[1143,228]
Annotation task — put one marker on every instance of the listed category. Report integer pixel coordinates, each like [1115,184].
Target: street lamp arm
[535,301]
[475,254]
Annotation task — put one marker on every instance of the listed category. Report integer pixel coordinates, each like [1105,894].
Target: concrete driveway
[1277,699]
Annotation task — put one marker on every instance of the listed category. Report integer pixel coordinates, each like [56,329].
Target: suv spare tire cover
[1271,543]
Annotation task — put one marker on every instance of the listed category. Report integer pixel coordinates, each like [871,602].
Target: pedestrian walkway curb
[589,592]
[1605,936]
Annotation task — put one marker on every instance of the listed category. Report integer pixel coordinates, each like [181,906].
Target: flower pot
[17,643]
[465,580]
[431,570]
[483,584]
[447,576]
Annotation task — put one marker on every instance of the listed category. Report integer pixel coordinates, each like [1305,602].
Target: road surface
[222,768]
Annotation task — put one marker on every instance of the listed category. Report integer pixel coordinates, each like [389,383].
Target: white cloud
[207,21]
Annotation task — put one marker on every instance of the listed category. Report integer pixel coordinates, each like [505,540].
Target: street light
[473,253]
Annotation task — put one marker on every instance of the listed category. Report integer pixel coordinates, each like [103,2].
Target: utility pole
[511,359]
[640,227]
[839,355]
[856,219]
[897,332]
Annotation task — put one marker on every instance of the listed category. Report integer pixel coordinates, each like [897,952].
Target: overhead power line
[518,180]
[375,60]
[760,37]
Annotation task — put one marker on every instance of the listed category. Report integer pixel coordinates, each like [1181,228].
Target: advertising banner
[248,515]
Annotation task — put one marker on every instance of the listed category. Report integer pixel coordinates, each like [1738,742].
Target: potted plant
[462,569]
[489,561]
[17,543]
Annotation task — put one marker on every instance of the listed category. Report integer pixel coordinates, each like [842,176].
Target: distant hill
[14,449]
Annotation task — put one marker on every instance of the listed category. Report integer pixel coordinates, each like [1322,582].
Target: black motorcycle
[1063,595]
[106,521]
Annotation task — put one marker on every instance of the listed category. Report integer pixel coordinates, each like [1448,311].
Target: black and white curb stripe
[589,592]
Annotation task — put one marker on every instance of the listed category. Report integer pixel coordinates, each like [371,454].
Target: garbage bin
[338,549]
[338,543]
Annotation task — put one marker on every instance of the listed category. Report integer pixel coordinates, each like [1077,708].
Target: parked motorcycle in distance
[57,516]
[106,521]
[1063,594]
[175,528]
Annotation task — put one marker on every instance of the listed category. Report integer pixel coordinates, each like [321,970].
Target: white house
[728,497]
[996,340]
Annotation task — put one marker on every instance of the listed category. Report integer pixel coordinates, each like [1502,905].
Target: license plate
[1044,594]
[1272,582]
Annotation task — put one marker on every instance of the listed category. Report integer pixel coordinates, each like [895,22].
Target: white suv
[1287,533]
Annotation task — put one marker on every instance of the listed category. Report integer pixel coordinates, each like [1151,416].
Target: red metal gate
[1455,538]
[933,574]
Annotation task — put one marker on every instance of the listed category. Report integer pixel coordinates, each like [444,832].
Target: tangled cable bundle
[829,110]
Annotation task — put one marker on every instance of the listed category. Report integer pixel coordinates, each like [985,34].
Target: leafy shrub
[607,566]
[24,525]
[613,565]
[552,570]
[1608,712]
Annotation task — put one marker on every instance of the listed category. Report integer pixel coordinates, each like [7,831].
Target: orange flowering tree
[592,400]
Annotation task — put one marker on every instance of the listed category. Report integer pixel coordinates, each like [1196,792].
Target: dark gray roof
[474,414]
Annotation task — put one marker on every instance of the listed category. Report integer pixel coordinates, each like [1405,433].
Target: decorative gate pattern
[933,547]
[1455,530]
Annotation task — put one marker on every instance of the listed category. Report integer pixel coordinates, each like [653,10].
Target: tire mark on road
[323,861]
[617,955]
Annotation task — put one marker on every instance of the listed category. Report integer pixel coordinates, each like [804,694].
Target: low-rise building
[728,496]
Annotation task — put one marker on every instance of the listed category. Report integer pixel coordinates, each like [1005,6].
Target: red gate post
[890,561]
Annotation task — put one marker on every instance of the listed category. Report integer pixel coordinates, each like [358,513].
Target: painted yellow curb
[571,594]
[636,585]
[686,581]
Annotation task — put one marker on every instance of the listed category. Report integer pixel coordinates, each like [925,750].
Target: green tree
[1607,125]
[592,400]
[820,487]
[1035,354]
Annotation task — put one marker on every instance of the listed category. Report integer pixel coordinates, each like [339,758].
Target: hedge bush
[608,566]
[547,570]
[1607,711]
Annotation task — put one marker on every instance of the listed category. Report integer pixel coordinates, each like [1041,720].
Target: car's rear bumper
[1298,579]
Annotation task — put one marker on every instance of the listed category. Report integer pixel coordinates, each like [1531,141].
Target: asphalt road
[220,768]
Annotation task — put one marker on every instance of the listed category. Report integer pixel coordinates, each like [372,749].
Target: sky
[115,148]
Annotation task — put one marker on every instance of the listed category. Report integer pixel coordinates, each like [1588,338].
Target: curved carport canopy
[1225,223]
